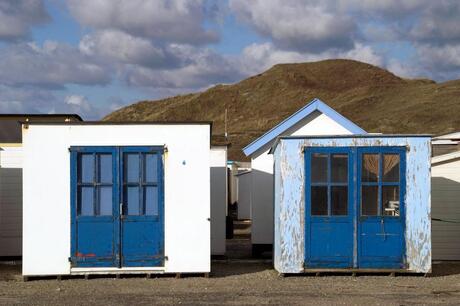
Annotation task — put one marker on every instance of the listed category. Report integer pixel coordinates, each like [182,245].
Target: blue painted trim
[158,261]
[315,105]
[354,208]
[117,198]
[383,262]
[75,219]
[332,261]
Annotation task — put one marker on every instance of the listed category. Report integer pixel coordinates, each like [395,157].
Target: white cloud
[17,17]
[51,65]
[203,67]
[298,25]
[179,21]
[439,23]
[120,47]
[259,57]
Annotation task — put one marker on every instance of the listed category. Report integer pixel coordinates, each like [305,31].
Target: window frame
[401,184]
[159,151]
[76,152]
[329,151]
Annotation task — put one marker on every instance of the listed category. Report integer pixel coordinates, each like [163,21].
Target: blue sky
[92,57]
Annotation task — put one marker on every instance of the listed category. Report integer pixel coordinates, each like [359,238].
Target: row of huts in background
[319,191]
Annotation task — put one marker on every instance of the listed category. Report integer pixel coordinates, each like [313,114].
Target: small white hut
[316,118]
[116,198]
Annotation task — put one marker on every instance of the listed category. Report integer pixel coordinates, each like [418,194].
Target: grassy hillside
[374,98]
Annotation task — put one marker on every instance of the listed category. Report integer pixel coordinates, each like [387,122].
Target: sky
[94,56]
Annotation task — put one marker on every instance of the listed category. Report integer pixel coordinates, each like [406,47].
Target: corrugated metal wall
[10,201]
[445,199]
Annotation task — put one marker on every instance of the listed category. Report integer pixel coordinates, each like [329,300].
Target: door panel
[102,234]
[95,212]
[142,237]
[328,213]
[382,210]
[355,214]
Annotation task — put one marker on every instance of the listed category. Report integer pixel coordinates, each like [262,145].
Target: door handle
[121,209]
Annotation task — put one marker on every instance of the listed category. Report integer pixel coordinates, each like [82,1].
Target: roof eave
[315,105]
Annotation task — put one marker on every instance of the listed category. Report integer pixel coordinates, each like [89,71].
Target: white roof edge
[445,157]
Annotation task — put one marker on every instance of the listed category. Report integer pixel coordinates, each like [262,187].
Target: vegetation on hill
[373,98]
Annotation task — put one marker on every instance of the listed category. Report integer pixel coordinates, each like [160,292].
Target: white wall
[262,177]
[10,200]
[445,202]
[218,199]
[46,190]
[244,196]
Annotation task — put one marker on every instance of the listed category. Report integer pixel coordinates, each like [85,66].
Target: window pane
[370,168]
[132,167]
[86,201]
[86,168]
[133,201]
[319,167]
[151,200]
[369,200]
[339,200]
[318,200]
[391,168]
[390,200]
[151,163]
[105,201]
[339,168]
[105,168]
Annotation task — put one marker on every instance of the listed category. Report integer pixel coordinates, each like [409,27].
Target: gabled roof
[449,136]
[315,105]
[445,157]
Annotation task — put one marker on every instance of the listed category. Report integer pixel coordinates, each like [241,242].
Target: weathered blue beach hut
[352,202]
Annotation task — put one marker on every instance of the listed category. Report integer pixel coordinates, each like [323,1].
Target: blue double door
[354,212]
[117,206]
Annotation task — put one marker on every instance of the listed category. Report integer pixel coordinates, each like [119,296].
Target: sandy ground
[236,282]
[239,280]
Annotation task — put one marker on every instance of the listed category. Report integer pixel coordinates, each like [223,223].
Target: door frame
[349,218]
[160,258]
[117,197]
[354,207]
[401,151]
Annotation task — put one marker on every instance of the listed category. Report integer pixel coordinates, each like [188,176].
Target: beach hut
[218,199]
[104,197]
[11,177]
[244,195]
[352,203]
[445,199]
[315,118]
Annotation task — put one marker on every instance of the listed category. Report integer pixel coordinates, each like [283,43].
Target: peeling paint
[290,202]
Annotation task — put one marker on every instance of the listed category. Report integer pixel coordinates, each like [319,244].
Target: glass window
[370,168]
[105,201]
[132,196]
[391,167]
[339,168]
[369,200]
[339,200]
[151,164]
[319,201]
[151,200]
[390,200]
[380,188]
[86,201]
[105,168]
[87,168]
[132,167]
[319,168]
